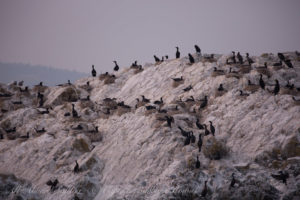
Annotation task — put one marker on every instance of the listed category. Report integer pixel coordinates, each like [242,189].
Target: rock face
[127,149]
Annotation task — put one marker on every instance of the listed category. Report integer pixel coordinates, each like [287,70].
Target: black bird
[206,132]
[156,59]
[150,107]
[17,102]
[198,50]
[145,99]
[200,142]
[281,56]
[204,191]
[261,82]
[95,130]
[159,102]
[116,68]
[67,114]
[250,61]
[221,88]
[52,184]
[276,88]
[178,79]
[243,94]
[190,99]
[240,58]
[76,168]
[78,127]
[200,126]
[40,131]
[288,63]
[41,101]
[1,137]
[232,180]
[169,120]
[204,103]
[25,136]
[212,128]
[278,64]
[197,163]
[94,73]
[183,132]
[193,138]
[162,111]
[281,176]
[233,57]
[191,59]
[167,57]
[187,139]
[177,53]
[74,112]
[188,88]
[11,130]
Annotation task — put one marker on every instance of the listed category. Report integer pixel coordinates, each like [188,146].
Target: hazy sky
[74,34]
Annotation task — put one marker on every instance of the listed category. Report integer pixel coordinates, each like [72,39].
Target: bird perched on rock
[197,163]
[261,82]
[232,180]
[198,50]
[76,168]
[212,128]
[204,190]
[53,184]
[94,73]
[282,176]
[191,59]
[177,52]
[116,68]
[200,142]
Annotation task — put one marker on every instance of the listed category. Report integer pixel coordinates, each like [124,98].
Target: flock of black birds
[157,104]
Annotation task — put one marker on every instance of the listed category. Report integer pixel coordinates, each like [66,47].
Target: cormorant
[78,127]
[212,128]
[25,136]
[94,73]
[41,101]
[204,103]
[243,94]
[76,168]
[233,57]
[197,163]
[288,63]
[200,142]
[145,99]
[74,112]
[250,61]
[116,68]
[11,130]
[221,88]
[281,56]
[183,132]
[169,120]
[276,88]
[206,132]
[191,59]
[198,124]
[278,64]
[156,59]
[95,130]
[178,79]
[52,184]
[177,53]
[67,114]
[159,102]
[150,107]
[281,176]
[1,136]
[204,191]
[40,131]
[190,99]
[187,139]
[198,50]
[193,138]
[188,88]
[232,180]
[261,82]
[240,58]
